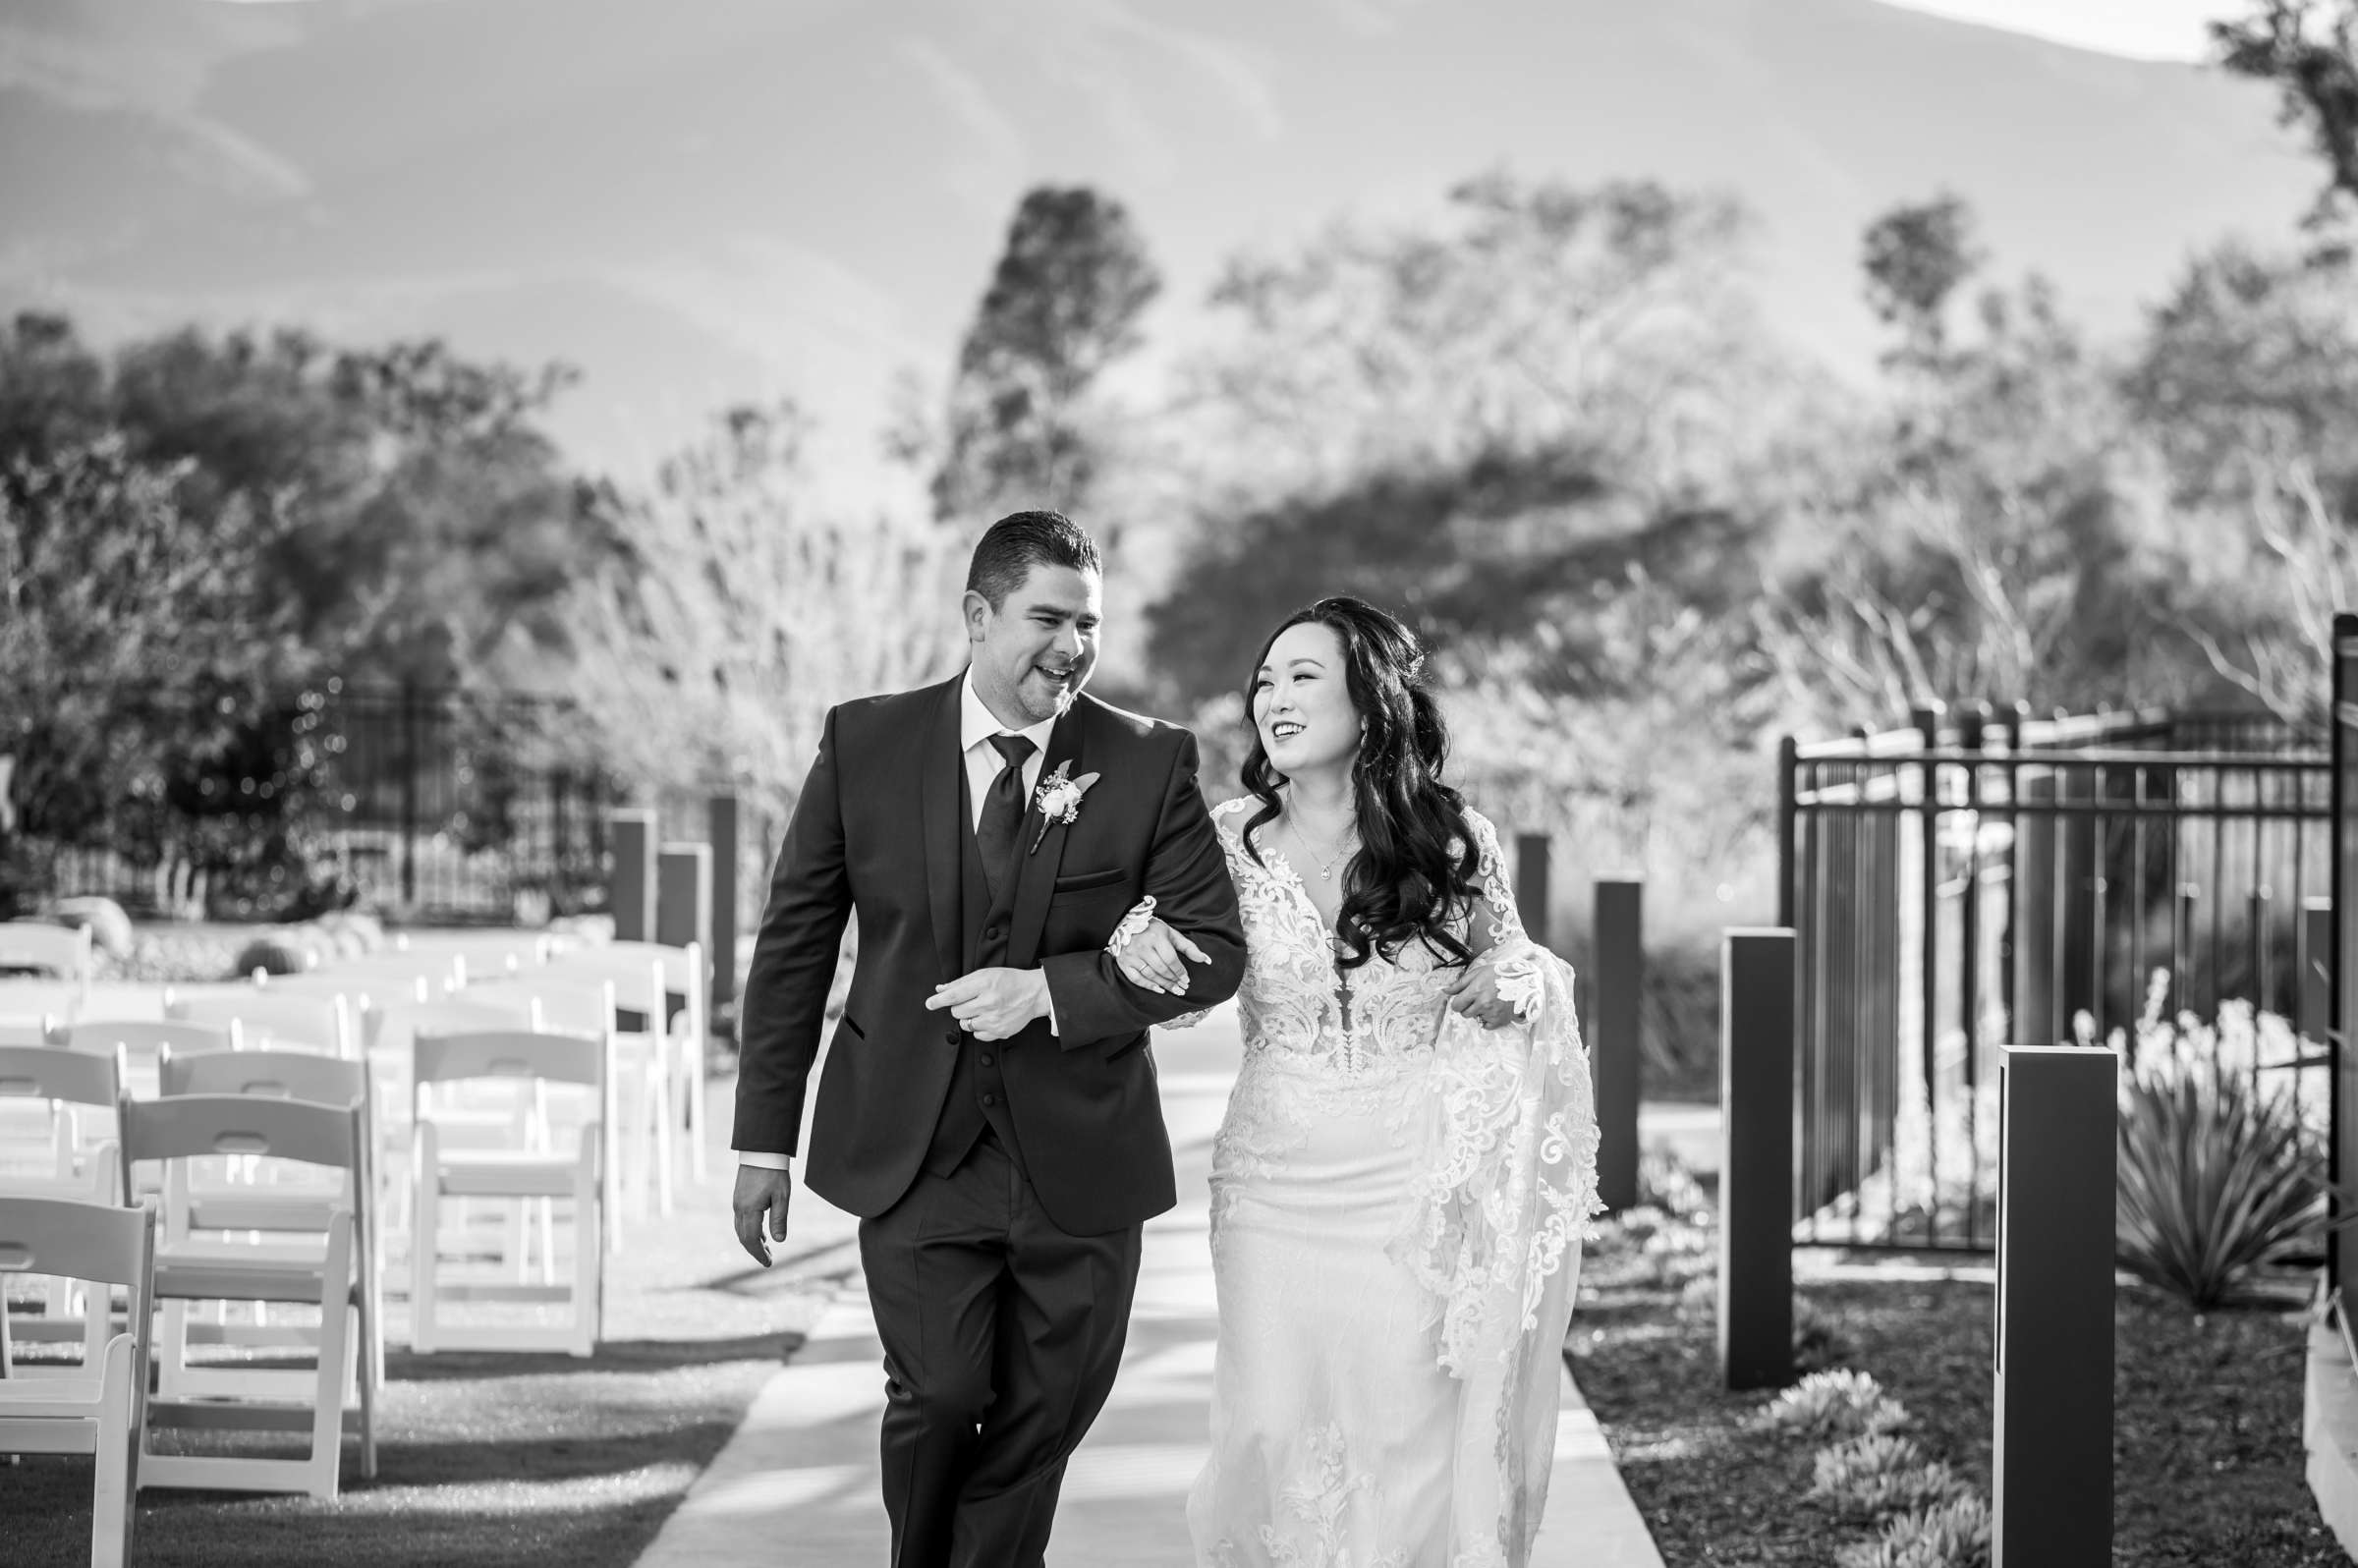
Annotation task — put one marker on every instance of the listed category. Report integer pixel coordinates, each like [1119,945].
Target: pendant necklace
[1325,866]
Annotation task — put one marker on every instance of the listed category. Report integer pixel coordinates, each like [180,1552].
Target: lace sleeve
[1494,922]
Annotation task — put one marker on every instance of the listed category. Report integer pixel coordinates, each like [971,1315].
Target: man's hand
[993,1003]
[762,1194]
[1476,995]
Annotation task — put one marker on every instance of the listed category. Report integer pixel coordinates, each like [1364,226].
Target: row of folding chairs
[279,1243]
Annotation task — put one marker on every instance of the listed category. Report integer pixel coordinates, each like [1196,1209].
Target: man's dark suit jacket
[879,831]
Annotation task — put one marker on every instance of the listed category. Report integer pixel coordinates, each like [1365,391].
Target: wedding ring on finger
[1134,923]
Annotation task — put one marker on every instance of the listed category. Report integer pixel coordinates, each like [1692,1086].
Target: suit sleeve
[1188,875]
[794,964]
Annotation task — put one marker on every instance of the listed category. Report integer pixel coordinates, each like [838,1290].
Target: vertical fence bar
[2051,1456]
[1758,973]
[1927,721]
[632,889]
[2315,996]
[721,830]
[2341,1258]
[1531,884]
[409,794]
[1619,987]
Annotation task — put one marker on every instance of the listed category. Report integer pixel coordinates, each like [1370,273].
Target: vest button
[995,932]
[990,1099]
[986,1059]
[953,1037]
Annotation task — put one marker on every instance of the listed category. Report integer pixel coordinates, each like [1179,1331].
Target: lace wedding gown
[1399,1196]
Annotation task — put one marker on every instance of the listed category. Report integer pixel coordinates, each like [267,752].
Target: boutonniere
[1059,799]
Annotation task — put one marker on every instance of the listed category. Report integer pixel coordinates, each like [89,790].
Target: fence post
[1615,1047]
[633,888]
[2051,1459]
[410,699]
[721,830]
[1758,975]
[2314,995]
[1531,884]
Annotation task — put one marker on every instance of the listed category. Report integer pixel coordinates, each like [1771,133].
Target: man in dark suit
[989,1108]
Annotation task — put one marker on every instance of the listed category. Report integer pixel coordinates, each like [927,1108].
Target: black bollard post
[1615,1047]
[1759,975]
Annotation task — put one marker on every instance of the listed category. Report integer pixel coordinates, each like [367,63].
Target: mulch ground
[2206,1463]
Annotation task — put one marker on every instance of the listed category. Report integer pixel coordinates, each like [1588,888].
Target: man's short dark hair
[1020,541]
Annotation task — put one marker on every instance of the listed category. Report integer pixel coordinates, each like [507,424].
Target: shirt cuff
[1053,1013]
[764,1159]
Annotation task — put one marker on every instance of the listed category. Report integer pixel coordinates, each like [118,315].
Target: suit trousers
[1001,1335]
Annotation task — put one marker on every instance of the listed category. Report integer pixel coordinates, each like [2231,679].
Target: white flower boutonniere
[1059,799]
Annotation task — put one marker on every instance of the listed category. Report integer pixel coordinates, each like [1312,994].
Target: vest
[978,1092]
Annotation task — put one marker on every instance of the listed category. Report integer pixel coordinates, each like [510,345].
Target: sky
[2147,30]
[2151,29]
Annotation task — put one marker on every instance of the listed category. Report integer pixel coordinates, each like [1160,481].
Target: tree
[2308,48]
[1916,257]
[138,651]
[1063,305]
[736,615]
[2252,360]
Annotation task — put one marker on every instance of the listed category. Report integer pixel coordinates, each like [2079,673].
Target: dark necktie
[1003,813]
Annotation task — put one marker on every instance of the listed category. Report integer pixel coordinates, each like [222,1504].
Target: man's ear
[977,612]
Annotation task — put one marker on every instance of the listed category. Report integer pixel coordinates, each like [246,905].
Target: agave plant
[2217,1179]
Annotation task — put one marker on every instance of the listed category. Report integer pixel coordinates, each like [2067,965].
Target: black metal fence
[1971,882]
[441,804]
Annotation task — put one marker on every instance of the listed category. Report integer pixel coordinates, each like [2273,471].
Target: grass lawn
[497,1459]
[2207,1461]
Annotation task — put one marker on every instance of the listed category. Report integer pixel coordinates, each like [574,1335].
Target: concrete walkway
[797,1484]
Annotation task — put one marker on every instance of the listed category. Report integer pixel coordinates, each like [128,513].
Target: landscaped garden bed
[2207,1464]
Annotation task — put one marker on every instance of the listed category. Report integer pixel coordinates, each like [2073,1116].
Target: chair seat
[234,1272]
[506,1173]
[48,1399]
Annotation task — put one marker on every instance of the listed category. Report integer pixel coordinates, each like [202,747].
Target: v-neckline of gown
[1339,992]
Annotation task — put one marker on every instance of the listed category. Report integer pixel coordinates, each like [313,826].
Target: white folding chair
[51,1104]
[654,1058]
[297,1202]
[61,950]
[440,1173]
[268,1018]
[586,1001]
[101,1410]
[142,1040]
[688,976]
[318,1263]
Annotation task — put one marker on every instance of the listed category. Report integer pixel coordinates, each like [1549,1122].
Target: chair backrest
[46,1073]
[148,1036]
[580,1005]
[193,1126]
[41,1032]
[38,944]
[324,1023]
[642,980]
[72,1240]
[281,1075]
[511,1053]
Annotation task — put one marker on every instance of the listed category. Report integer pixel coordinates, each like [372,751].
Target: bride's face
[1302,702]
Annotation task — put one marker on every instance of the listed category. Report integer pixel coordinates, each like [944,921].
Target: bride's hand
[1476,994]
[1152,959]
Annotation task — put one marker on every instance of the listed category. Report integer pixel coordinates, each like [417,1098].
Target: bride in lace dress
[1408,1160]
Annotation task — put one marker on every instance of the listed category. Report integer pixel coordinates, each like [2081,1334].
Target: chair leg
[370,1380]
[323,1470]
[425,1212]
[111,1498]
[589,1248]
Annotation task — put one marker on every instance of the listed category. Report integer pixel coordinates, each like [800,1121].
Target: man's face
[1033,653]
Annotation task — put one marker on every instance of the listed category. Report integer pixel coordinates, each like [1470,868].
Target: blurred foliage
[200,531]
[1063,306]
[2308,48]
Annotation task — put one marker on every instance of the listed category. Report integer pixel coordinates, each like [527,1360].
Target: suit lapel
[1035,871]
[944,831]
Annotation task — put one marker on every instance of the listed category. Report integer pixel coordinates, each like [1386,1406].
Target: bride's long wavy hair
[1416,863]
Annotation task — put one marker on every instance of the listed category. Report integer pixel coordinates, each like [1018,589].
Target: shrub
[2217,1180]
[273,955]
[1947,1535]
[1826,1406]
[1876,1477]
[1818,1340]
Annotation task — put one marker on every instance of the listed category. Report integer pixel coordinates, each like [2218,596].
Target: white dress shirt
[975,727]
